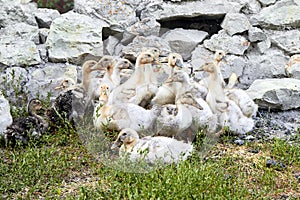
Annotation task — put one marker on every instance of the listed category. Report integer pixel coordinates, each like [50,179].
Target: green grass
[58,165]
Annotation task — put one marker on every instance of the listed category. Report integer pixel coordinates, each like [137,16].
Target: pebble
[239,142]
[273,163]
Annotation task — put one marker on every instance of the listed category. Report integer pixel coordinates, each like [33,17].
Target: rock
[278,16]
[255,151]
[273,163]
[14,12]
[43,33]
[145,27]
[251,7]
[5,116]
[231,44]
[235,23]
[267,2]
[269,65]
[277,94]
[263,46]
[286,40]
[250,138]
[19,31]
[292,68]
[19,53]
[256,34]
[110,45]
[233,64]
[44,17]
[113,12]
[200,56]
[184,41]
[239,142]
[74,36]
[140,42]
[163,10]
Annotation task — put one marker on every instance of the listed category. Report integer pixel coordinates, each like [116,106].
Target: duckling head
[145,58]
[207,67]
[219,55]
[155,51]
[124,63]
[233,80]
[34,105]
[126,138]
[175,61]
[104,93]
[179,76]
[89,66]
[106,62]
[66,83]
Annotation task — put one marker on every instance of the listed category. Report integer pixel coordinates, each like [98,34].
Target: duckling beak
[179,63]
[163,59]
[116,144]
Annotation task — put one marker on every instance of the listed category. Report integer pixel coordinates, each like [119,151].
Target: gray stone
[114,13]
[74,36]
[200,56]
[184,41]
[109,45]
[43,52]
[278,16]
[267,2]
[269,65]
[264,45]
[19,31]
[187,9]
[5,116]
[145,27]
[231,44]
[233,64]
[239,142]
[277,94]
[19,52]
[43,33]
[235,23]
[140,42]
[256,34]
[292,68]
[44,17]
[287,40]
[250,7]
[14,12]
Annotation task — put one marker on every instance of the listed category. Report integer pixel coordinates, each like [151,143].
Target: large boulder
[278,16]
[268,65]
[236,44]
[74,36]
[19,53]
[184,41]
[287,40]
[163,10]
[5,116]
[277,94]
[235,23]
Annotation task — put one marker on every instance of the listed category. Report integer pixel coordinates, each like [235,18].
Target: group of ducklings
[156,105]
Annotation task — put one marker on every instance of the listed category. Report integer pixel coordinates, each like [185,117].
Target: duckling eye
[174,57]
[149,55]
[124,134]
[155,50]
[125,62]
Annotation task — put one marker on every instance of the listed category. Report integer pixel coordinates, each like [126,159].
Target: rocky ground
[39,47]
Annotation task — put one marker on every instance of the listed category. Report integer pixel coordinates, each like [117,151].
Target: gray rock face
[132,50]
[231,44]
[235,23]
[269,65]
[19,31]
[286,40]
[267,2]
[168,10]
[14,12]
[277,94]
[279,16]
[184,41]
[144,27]
[234,64]
[264,45]
[73,36]
[256,34]
[43,33]
[110,45]
[113,12]
[44,17]
[18,53]
[5,116]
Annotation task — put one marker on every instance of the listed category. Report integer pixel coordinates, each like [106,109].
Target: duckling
[88,67]
[66,84]
[173,120]
[31,126]
[125,115]
[240,97]
[127,90]
[153,150]
[177,84]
